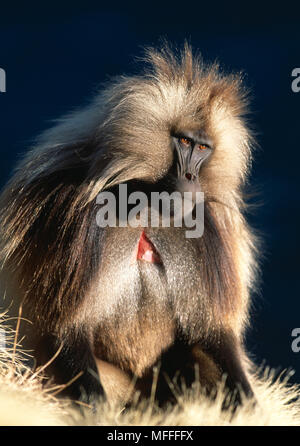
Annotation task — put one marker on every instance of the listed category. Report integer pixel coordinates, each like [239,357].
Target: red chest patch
[146,250]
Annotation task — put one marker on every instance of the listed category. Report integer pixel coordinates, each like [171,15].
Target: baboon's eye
[203,146]
[185,141]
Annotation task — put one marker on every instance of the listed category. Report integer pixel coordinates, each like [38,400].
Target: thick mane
[47,209]
[132,115]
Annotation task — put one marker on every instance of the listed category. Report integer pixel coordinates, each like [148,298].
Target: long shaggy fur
[47,208]
[51,249]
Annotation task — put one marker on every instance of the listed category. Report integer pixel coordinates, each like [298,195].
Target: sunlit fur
[48,246]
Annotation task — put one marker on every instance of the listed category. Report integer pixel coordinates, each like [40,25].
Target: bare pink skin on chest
[146,251]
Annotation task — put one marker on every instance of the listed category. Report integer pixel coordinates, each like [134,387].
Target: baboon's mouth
[146,251]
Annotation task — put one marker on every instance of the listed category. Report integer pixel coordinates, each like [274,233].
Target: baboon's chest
[140,306]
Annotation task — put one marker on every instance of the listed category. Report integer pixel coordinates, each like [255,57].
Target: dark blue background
[56,56]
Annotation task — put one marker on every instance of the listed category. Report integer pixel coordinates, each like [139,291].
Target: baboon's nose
[189,176]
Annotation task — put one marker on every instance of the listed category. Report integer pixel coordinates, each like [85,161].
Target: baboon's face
[192,150]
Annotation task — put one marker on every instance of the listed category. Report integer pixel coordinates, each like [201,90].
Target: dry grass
[24,401]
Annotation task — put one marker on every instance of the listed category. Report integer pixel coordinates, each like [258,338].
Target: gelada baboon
[116,304]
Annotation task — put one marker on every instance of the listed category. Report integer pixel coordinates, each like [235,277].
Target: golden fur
[50,253]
